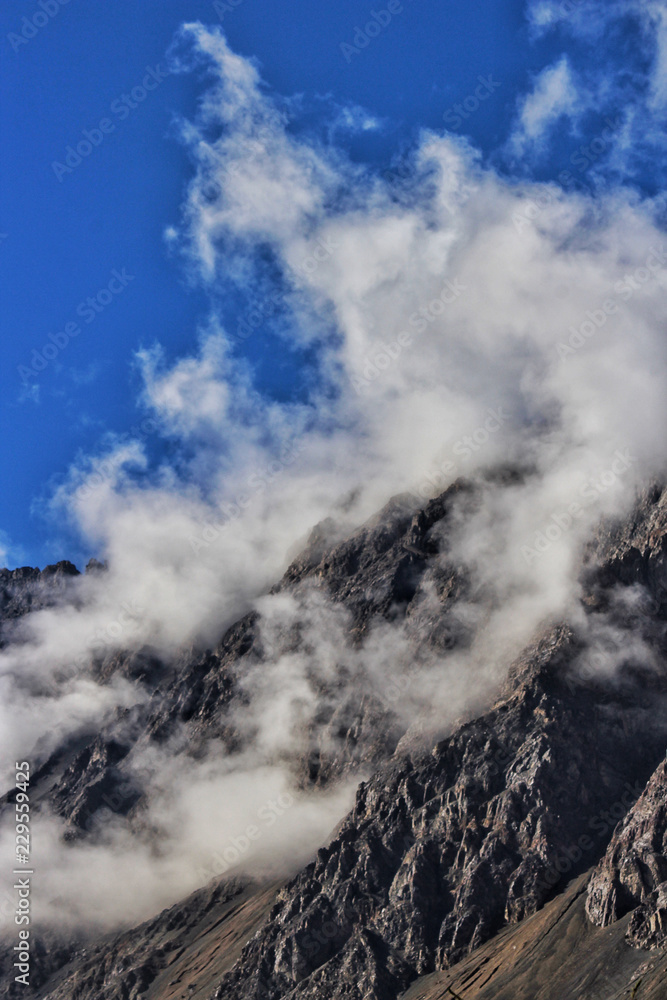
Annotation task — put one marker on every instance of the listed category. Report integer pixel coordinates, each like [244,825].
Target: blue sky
[93,227]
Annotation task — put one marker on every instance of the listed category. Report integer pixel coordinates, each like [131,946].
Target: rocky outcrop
[648,924]
[632,876]
[92,782]
[381,568]
[441,852]
[634,550]
[557,954]
[28,589]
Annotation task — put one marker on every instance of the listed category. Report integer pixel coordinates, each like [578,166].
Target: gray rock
[633,873]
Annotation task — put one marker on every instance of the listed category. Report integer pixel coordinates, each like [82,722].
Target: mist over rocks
[446,842]
[27,589]
[441,851]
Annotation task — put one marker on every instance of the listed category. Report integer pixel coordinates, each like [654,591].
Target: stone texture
[441,852]
[633,873]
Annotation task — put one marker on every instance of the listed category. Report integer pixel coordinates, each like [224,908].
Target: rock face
[632,876]
[556,954]
[440,852]
[448,845]
[383,568]
[27,589]
[635,550]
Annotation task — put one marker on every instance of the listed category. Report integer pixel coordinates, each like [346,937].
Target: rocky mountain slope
[632,876]
[441,852]
[554,954]
[381,571]
[455,855]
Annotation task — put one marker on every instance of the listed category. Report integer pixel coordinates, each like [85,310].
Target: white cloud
[269,183]
[554,95]
[355,119]
[543,14]
[442,309]
[192,397]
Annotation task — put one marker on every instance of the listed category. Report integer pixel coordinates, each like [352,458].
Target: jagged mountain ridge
[28,589]
[375,573]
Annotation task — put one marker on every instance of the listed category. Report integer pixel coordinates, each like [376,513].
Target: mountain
[517,852]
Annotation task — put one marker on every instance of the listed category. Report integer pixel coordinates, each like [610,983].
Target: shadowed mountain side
[554,955]
[632,876]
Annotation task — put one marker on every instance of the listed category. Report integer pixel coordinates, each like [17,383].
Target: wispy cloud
[555,95]
[627,74]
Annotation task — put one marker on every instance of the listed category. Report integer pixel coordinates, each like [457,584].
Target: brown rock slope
[180,953]
[557,954]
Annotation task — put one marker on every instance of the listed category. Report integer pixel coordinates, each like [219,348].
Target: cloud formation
[554,95]
[459,322]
